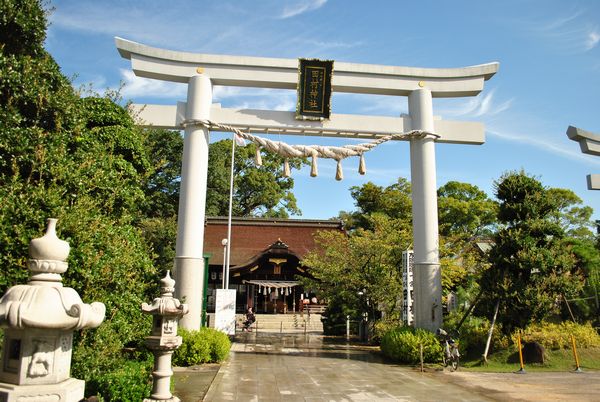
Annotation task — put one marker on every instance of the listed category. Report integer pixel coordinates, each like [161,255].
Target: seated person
[250,318]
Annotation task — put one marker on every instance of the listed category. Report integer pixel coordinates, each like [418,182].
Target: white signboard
[225,311]
[407,287]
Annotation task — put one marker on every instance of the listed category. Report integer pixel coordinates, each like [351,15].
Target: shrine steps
[284,323]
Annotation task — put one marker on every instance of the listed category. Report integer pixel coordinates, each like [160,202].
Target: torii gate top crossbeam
[168,65]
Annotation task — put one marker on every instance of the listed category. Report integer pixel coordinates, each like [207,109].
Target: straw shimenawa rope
[314,151]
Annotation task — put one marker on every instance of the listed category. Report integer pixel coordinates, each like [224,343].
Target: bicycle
[450,355]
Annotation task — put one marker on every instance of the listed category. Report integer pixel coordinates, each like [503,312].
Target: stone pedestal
[70,390]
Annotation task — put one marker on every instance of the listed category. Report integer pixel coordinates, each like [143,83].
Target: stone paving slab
[298,368]
[273,367]
[533,386]
[192,383]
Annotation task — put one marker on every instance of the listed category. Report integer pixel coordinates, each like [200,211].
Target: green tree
[587,306]
[466,215]
[574,217]
[394,201]
[80,160]
[360,272]
[258,190]
[465,211]
[161,185]
[530,265]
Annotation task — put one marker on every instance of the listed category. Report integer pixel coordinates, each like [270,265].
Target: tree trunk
[490,332]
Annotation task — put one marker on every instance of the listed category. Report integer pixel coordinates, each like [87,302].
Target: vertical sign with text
[407,287]
[314,89]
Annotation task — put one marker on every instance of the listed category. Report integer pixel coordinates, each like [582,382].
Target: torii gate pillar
[427,274]
[189,260]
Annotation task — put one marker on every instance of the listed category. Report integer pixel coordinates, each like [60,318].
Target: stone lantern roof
[43,302]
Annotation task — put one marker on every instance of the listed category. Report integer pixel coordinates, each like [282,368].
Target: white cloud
[135,87]
[253,98]
[573,33]
[300,7]
[593,38]
[543,143]
[482,105]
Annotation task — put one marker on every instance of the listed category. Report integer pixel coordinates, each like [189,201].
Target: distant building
[266,257]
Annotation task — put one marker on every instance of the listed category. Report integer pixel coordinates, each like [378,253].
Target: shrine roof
[252,236]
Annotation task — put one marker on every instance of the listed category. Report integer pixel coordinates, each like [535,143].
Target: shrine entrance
[199,115]
[265,263]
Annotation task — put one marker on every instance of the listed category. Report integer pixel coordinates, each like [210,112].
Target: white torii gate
[202,71]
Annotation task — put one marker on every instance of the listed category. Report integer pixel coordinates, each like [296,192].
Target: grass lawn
[556,360]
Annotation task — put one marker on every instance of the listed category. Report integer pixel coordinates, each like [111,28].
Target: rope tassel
[313,167]
[286,168]
[339,173]
[258,157]
[362,167]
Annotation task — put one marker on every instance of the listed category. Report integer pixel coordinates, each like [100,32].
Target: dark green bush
[130,382]
[402,344]
[219,345]
[204,346]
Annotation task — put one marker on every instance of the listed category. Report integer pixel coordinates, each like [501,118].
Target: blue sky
[549,76]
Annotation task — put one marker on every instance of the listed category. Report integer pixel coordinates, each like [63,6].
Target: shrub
[131,382]
[473,334]
[402,344]
[204,346]
[219,345]
[382,327]
[558,336]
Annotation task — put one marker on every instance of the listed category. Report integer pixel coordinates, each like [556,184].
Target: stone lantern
[38,320]
[166,312]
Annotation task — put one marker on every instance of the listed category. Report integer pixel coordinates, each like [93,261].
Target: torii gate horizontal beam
[278,122]
[243,71]
[589,144]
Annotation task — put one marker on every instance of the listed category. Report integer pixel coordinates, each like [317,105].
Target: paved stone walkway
[267,368]
[274,367]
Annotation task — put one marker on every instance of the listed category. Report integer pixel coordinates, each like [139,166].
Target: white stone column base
[70,390]
[172,399]
[428,292]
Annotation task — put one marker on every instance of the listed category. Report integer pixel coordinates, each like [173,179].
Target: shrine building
[266,260]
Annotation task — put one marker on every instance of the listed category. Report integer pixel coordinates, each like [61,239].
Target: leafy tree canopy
[531,267]
[360,271]
[394,201]
[258,190]
[464,210]
[80,160]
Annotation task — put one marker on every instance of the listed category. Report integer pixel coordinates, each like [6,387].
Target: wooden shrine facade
[266,260]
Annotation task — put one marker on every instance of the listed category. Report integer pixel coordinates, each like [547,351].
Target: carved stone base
[70,390]
[172,399]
